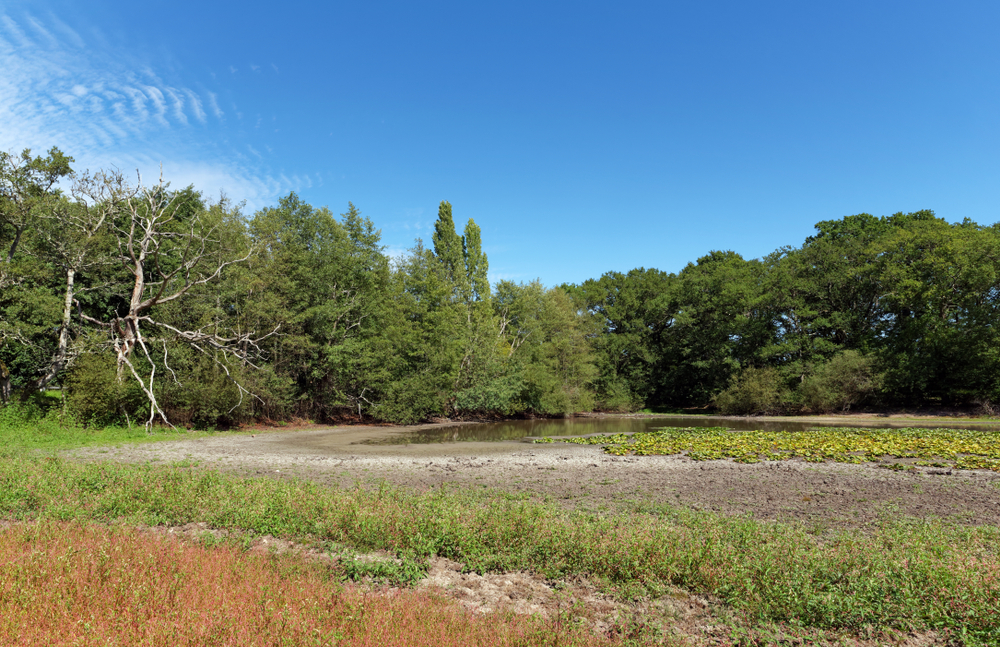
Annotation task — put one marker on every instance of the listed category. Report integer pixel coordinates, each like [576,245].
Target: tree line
[143,303]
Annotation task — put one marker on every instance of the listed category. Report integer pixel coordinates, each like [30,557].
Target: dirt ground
[583,477]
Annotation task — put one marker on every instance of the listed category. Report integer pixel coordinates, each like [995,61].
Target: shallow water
[514,430]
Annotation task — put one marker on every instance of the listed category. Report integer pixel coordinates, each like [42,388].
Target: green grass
[27,426]
[953,448]
[903,575]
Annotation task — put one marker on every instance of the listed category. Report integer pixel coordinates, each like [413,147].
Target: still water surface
[514,430]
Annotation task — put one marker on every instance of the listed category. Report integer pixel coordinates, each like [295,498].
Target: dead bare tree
[166,253]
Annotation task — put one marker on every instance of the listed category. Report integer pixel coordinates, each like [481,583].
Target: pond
[518,430]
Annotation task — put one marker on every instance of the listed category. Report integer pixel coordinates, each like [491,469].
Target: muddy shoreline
[583,477]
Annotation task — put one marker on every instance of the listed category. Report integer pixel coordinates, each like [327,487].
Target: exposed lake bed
[584,477]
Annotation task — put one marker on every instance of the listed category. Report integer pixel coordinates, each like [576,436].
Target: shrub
[202,395]
[754,391]
[492,394]
[17,413]
[96,397]
[849,378]
[615,396]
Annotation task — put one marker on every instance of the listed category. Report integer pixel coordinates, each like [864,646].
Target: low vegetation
[29,426]
[953,448]
[901,575]
[83,584]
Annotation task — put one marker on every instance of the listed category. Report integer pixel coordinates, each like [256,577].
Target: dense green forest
[149,304]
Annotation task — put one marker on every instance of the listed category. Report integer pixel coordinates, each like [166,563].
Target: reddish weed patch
[70,583]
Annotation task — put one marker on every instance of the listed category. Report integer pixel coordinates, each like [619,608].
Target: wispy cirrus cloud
[196,106]
[159,104]
[67,32]
[213,103]
[44,33]
[177,105]
[58,88]
[53,89]
[14,31]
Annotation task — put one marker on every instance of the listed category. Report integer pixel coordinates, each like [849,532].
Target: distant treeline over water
[152,303]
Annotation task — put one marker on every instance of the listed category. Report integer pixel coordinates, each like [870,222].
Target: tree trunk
[13,246]
[4,384]
[58,362]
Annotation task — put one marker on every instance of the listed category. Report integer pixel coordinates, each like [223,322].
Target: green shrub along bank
[902,575]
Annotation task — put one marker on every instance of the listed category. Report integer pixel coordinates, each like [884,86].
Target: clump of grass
[69,583]
[958,448]
[902,575]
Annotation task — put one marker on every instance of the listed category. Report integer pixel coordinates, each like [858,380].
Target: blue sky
[582,137]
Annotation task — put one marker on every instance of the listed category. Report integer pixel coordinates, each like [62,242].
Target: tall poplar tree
[449,249]
[476,264]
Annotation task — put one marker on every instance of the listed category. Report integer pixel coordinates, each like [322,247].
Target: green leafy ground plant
[956,448]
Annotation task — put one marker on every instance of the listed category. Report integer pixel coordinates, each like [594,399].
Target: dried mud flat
[583,477]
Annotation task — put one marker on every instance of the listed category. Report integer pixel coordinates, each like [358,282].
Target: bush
[615,396]
[849,378]
[194,392]
[409,400]
[199,394]
[755,391]
[33,419]
[496,395]
[97,398]
[19,413]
